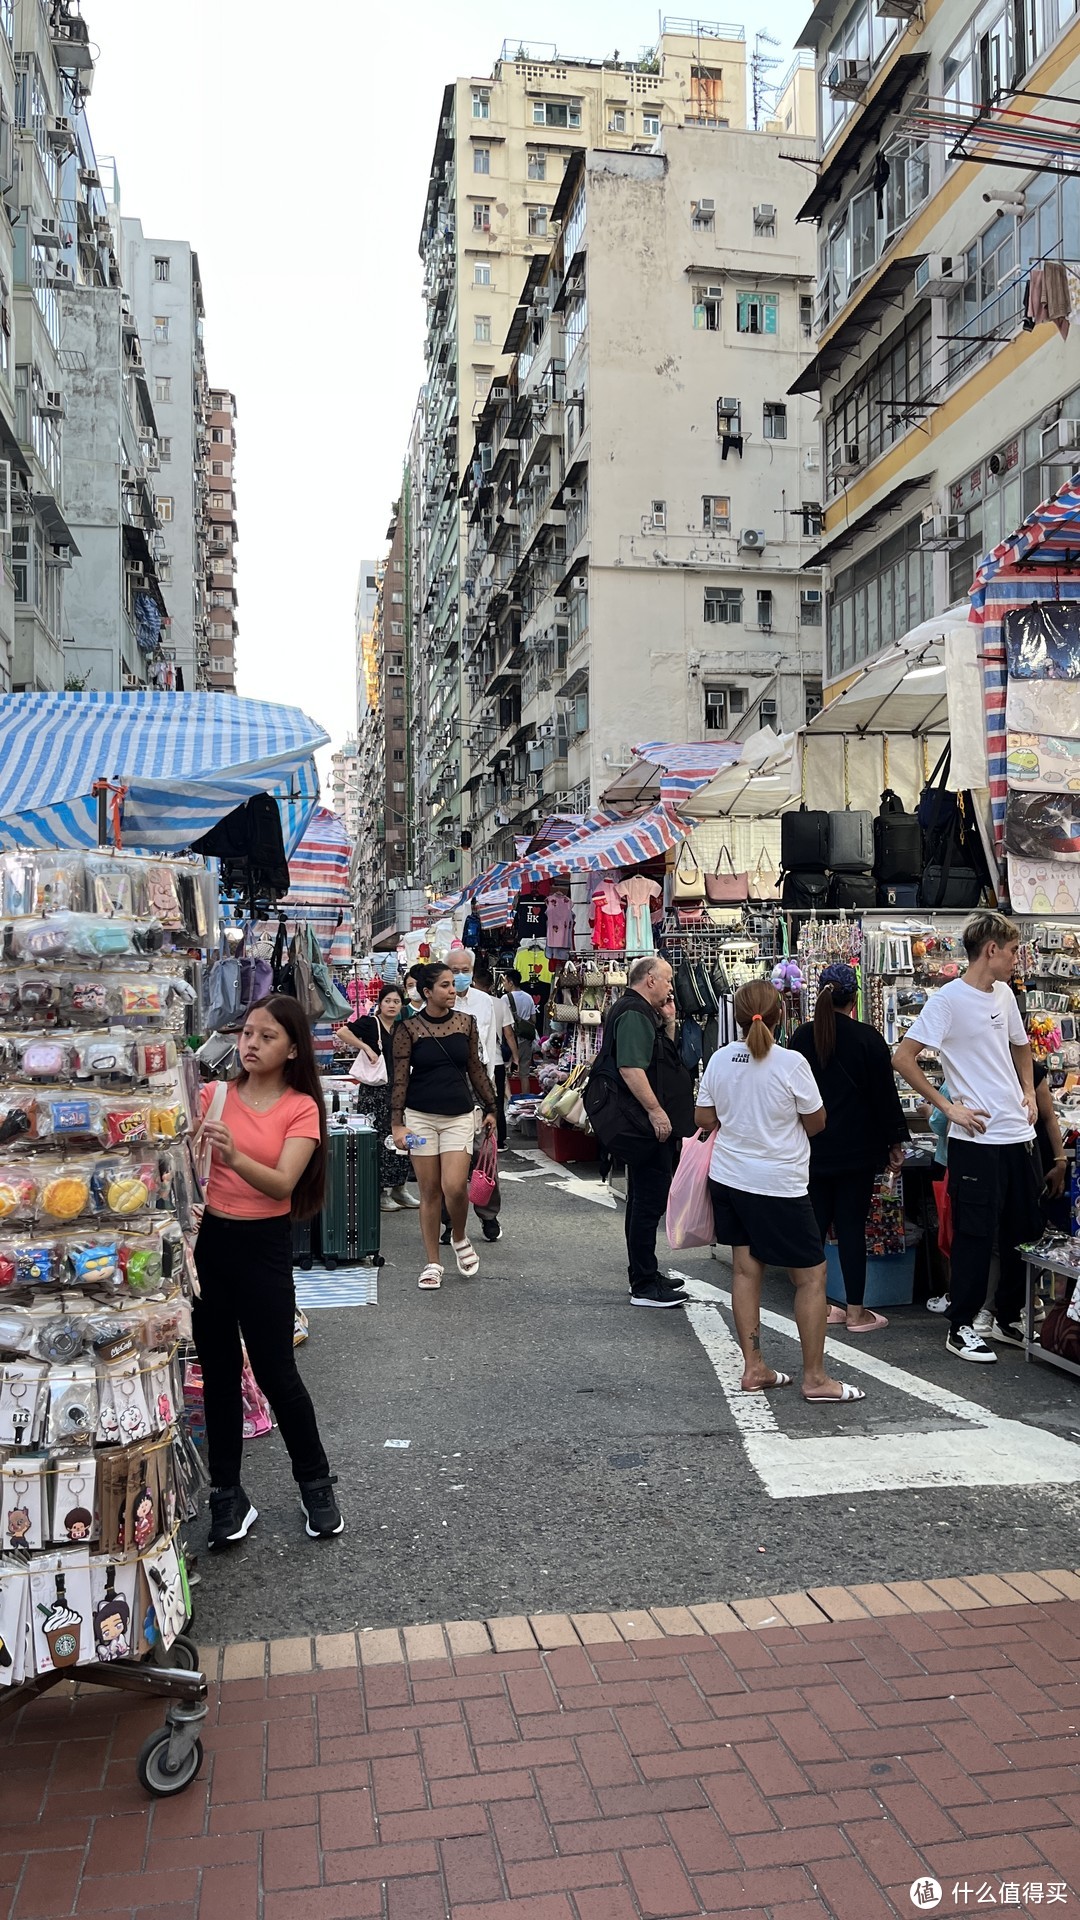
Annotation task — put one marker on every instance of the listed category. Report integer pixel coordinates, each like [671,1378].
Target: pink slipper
[871,1326]
[837,1317]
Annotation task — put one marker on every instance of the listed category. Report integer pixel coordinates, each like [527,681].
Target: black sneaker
[1011,1334]
[491,1229]
[654,1293]
[321,1511]
[965,1343]
[231,1515]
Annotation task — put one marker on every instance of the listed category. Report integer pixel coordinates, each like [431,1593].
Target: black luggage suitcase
[804,841]
[851,840]
[897,842]
[349,1222]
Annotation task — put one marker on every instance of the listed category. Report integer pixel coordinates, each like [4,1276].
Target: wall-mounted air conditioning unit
[812,459]
[1060,441]
[60,274]
[941,532]
[751,540]
[580,583]
[764,215]
[60,133]
[848,79]
[811,596]
[51,405]
[939,275]
[845,460]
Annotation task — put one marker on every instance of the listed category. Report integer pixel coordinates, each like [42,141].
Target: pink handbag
[689,1221]
[482,1179]
[726,889]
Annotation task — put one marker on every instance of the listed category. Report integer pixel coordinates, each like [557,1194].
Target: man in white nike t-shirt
[974,1027]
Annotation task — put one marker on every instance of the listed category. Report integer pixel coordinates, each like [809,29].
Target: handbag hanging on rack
[726,889]
[687,880]
[764,882]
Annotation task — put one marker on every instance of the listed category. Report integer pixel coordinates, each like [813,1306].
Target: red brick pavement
[787,1773]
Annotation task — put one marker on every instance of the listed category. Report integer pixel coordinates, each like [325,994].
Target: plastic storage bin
[563,1144]
[890,1278]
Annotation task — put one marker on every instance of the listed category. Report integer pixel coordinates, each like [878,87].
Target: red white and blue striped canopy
[319,866]
[621,843]
[686,769]
[1040,560]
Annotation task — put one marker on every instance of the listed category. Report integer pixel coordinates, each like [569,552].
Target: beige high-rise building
[503,144]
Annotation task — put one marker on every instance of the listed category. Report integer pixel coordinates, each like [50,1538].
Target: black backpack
[804,841]
[805,891]
[852,890]
[954,872]
[897,841]
[251,847]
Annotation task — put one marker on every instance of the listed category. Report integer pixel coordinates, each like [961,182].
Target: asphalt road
[566,1452]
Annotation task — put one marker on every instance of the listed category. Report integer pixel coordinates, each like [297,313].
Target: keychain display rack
[98,1199]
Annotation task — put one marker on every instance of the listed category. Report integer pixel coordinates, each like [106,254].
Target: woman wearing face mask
[373,1036]
[414,999]
[439,1077]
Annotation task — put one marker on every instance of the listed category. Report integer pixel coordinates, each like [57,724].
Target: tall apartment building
[219,456]
[367,588]
[345,787]
[944,420]
[643,495]
[502,147]
[163,279]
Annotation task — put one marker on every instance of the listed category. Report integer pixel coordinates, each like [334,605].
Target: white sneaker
[402,1197]
[965,1344]
[983,1322]
[386,1205]
[938,1303]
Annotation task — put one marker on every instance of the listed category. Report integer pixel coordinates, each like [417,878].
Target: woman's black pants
[245,1273]
[842,1201]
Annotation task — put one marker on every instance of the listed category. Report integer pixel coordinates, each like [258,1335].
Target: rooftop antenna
[761,65]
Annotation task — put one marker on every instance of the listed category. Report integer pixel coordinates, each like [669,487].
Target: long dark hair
[302,1075]
[835,994]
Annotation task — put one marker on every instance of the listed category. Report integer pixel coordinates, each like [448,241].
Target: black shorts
[781,1232]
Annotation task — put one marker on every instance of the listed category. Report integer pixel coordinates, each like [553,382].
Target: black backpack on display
[898,893]
[805,892]
[251,847]
[851,840]
[897,842]
[804,841]
[852,890]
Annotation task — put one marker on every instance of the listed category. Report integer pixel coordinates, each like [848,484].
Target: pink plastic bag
[257,1416]
[689,1221]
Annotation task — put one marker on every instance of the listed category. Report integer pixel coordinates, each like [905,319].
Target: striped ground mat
[345,1287]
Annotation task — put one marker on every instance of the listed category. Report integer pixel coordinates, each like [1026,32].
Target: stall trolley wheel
[183,1654]
[171,1758]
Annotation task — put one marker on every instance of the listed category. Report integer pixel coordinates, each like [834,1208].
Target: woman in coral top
[268,1164]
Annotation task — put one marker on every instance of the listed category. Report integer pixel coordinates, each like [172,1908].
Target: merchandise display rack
[99,1194]
[1036,1265]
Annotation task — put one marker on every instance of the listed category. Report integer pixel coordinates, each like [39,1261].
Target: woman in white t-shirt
[764,1104]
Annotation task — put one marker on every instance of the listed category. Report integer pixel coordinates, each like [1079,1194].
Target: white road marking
[584,1190]
[992,1452]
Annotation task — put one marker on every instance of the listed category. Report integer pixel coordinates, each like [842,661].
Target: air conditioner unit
[45,229]
[60,274]
[60,133]
[1060,441]
[751,540]
[658,518]
[768,711]
[845,460]
[705,206]
[90,176]
[942,532]
[129,475]
[939,275]
[728,406]
[562,605]
[848,79]
[103,232]
[812,459]
[764,215]
[580,583]
[51,405]
[500,818]
[811,596]
[58,555]
[572,496]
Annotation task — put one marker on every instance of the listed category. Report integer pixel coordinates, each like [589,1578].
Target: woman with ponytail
[852,1067]
[763,1104]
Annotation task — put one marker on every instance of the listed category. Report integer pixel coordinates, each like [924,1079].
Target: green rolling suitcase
[350,1220]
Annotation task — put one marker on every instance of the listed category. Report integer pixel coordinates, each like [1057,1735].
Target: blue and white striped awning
[186,759]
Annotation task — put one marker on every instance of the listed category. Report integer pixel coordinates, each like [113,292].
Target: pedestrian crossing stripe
[345,1287]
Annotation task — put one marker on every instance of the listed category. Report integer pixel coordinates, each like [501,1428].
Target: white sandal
[431,1277]
[468,1260]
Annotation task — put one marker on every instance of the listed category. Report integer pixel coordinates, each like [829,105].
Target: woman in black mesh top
[439,1079]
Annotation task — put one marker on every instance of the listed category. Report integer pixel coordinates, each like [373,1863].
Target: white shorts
[443,1132]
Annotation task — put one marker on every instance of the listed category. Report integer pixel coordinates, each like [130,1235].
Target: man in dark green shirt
[652,1073]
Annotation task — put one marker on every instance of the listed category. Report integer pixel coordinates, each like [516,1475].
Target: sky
[291,146]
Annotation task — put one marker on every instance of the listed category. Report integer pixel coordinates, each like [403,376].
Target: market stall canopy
[747,778]
[903,691]
[619,843]
[319,888]
[185,759]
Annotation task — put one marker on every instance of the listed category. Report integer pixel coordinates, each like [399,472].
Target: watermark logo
[925,1894]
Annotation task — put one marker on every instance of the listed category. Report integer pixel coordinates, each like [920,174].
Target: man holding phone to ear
[974,1027]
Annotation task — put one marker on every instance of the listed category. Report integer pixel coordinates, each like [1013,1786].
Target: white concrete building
[163,279]
[644,495]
